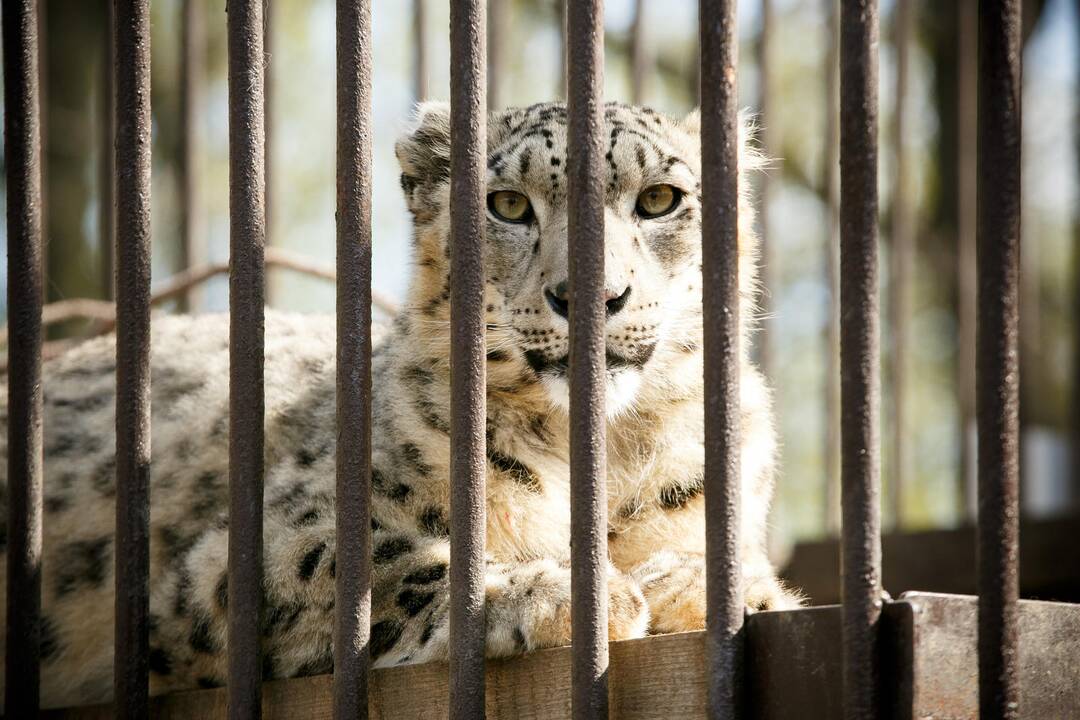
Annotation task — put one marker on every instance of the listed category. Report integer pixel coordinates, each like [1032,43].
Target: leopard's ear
[692,122]
[423,152]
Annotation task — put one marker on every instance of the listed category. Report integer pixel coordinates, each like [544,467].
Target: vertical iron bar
[997,381]
[192,49]
[859,355]
[107,163]
[720,282]
[247,237]
[900,266]
[831,189]
[131,670]
[420,85]
[353,579]
[588,460]
[768,135]
[468,405]
[638,55]
[22,155]
[967,26]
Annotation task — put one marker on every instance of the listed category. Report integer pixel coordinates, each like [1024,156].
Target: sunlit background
[302,194]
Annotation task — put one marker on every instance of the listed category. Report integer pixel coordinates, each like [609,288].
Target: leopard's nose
[558,298]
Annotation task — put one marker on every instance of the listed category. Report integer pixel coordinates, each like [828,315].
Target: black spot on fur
[429,574]
[221,591]
[398,491]
[200,638]
[674,497]
[310,562]
[429,630]
[50,639]
[413,601]
[411,454]
[305,458]
[384,635]
[206,683]
[308,518]
[280,619]
[83,562]
[519,640]
[390,550]
[84,404]
[183,590]
[515,469]
[498,356]
[56,503]
[433,521]
[160,661]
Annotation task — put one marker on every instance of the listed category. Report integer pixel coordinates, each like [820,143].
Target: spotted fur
[654,430]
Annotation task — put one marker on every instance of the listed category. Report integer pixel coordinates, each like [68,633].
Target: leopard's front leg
[527,605]
[674,586]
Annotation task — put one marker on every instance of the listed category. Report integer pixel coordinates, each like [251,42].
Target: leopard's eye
[510,206]
[658,200]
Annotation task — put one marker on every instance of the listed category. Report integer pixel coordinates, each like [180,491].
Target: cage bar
[352,627]
[720,296]
[131,670]
[247,237]
[192,50]
[901,264]
[587,374]
[997,371]
[22,159]
[859,355]
[468,402]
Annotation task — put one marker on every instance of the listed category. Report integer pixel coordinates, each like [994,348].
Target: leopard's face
[652,236]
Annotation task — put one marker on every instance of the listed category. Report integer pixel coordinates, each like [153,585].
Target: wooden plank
[928,666]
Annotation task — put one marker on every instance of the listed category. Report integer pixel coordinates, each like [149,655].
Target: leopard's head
[652,230]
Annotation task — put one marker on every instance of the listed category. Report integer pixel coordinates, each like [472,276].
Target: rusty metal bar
[768,135]
[354,142]
[901,264]
[997,372]
[468,405]
[720,294]
[247,238]
[107,160]
[22,146]
[859,355]
[588,377]
[638,55]
[831,189]
[967,27]
[192,50]
[131,670]
[420,64]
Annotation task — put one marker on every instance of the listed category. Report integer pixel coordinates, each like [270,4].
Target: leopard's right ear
[423,152]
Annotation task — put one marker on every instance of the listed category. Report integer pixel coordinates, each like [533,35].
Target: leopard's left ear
[423,152]
[692,122]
